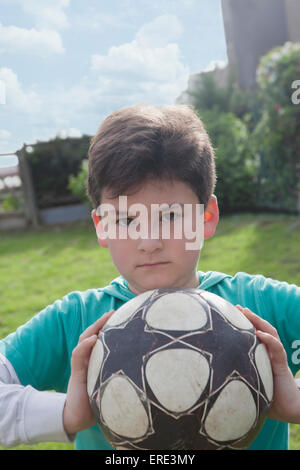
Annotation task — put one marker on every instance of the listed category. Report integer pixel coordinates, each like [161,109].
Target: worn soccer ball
[179,369]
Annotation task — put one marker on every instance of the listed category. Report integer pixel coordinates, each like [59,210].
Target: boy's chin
[147,286]
[159,284]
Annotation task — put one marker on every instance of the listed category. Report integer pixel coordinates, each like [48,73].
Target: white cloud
[72,132]
[162,31]
[64,106]
[6,139]
[47,15]
[94,19]
[16,97]
[216,64]
[143,63]
[15,39]
[148,68]
[4,134]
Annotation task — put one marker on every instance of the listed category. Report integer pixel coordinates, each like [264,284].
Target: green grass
[38,267]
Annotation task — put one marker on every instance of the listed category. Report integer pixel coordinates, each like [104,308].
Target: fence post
[30,205]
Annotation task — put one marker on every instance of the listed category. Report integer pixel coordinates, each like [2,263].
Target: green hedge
[236,166]
[51,165]
[256,134]
[277,135]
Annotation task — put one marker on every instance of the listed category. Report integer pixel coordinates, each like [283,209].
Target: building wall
[293,19]
[221,77]
[252,28]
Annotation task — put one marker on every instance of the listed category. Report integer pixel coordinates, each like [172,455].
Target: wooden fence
[31,215]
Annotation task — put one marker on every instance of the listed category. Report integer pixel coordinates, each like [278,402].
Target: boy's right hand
[77,414]
[286,400]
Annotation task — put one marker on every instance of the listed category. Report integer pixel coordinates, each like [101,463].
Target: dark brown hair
[141,142]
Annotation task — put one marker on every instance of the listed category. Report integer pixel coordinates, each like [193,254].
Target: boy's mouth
[152,265]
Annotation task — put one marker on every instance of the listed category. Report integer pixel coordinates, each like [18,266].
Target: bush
[256,133]
[10,203]
[51,165]
[209,96]
[229,117]
[276,72]
[277,135]
[236,166]
[77,184]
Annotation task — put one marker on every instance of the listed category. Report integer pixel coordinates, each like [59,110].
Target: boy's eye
[125,221]
[170,216]
[164,217]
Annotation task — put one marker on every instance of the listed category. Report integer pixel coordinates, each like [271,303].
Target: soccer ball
[179,369]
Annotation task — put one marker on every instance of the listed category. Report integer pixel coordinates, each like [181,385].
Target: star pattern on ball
[142,342]
[227,350]
[220,346]
[158,439]
[139,345]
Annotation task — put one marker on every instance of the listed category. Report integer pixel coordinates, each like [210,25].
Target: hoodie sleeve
[40,350]
[277,302]
[27,415]
[280,306]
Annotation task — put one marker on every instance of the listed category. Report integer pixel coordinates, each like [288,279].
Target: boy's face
[149,246]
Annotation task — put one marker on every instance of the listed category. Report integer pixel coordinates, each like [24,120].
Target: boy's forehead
[153,191]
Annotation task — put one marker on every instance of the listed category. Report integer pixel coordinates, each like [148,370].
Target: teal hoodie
[40,351]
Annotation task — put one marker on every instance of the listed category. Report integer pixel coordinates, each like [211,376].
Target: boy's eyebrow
[109,211]
[168,206]
[112,212]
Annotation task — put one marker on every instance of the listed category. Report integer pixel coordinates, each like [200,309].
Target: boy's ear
[99,229]
[211,217]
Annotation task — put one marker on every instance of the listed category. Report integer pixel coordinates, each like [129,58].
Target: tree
[277,134]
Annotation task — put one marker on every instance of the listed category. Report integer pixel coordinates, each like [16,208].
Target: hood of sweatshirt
[119,287]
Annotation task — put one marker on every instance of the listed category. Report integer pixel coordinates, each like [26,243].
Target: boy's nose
[149,244]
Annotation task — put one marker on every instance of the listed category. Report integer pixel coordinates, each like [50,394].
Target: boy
[150,157]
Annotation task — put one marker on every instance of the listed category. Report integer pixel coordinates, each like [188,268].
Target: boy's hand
[77,413]
[286,399]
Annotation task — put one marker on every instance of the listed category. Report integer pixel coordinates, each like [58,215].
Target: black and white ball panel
[127,310]
[189,377]
[194,317]
[179,369]
[229,311]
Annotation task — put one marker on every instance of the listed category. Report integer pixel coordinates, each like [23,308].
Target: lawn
[38,267]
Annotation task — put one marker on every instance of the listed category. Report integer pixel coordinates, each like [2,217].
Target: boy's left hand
[286,399]
[78,414]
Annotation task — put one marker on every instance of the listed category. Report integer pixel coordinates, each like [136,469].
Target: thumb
[80,358]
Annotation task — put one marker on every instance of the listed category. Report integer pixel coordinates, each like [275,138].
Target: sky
[66,64]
